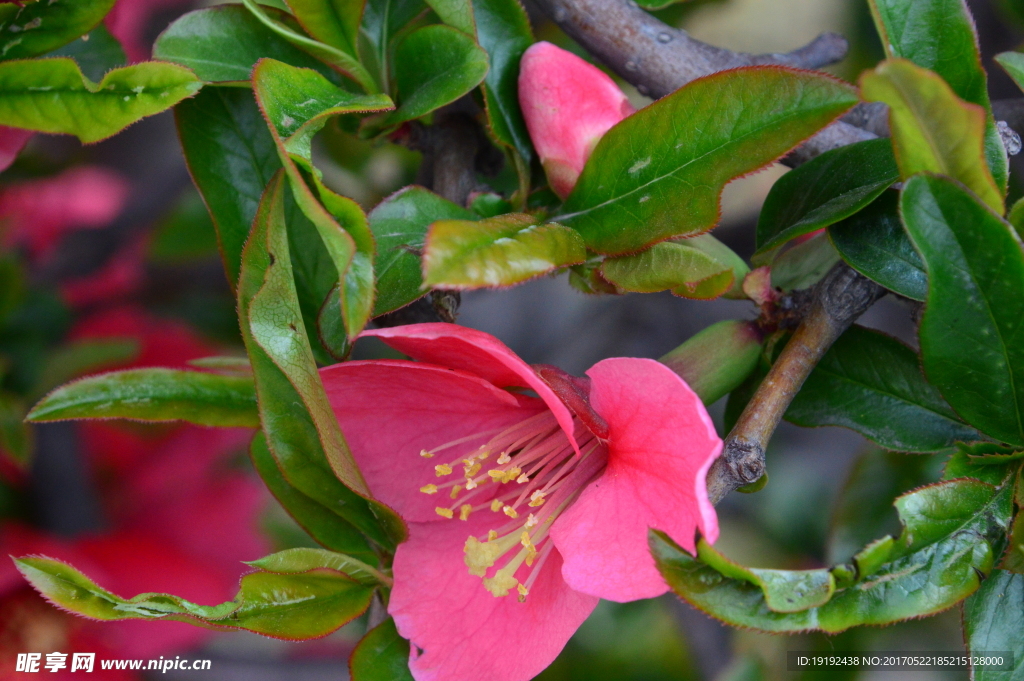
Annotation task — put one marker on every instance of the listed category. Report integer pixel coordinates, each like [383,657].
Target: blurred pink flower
[131,23]
[180,516]
[568,105]
[11,142]
[122,275]
[523,511]
[37,213]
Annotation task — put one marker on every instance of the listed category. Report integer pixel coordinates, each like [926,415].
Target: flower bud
[568,105]
[716,360]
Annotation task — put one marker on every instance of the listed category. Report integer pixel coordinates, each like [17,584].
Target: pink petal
[391,410]
[661,445]
[163,342]
[122,275]
[130,22]
[475,352]
[458,630]
[11,142]
[568,105]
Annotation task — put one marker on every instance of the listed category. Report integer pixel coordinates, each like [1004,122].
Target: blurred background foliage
[151,248]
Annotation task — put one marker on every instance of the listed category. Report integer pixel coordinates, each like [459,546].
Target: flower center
[535,473]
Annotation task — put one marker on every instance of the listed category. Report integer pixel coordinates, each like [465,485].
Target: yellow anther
[531,521]
[524,539]
[480,555]
[496,505]
[426,455]
[482,456]
[496,473]
[511,474]
[523,592]
[504,458]
[444,512]
[471,484]
[531,555]
[442,469]
[492,535]
[536,499]
[472,470]
[523,479]
[500,584]
[464,511]
[510,512]
[455,491]
[429,489]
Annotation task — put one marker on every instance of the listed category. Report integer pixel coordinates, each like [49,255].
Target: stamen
[426,455]
[444,512]
[496,505]
[442,469]
[510,512]
[429,489]
[531,521]
[504,458]
[464,511]
[523,593]
[455,491]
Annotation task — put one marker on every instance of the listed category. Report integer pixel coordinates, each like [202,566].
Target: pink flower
[568,105]
[11,142]
[523,511]
[131,22]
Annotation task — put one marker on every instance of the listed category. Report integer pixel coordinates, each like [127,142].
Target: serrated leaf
[400,224]
[660,172]
[334,22]
[827,189]
[950,531]
[872,383]
[986,453]
[52,95]
[326,527]
[434,66]
[503,30]
[342,61]
[154,395]
[34,28]
[874,243]
[933,130]
[501,251]
[302,432]
[940,36]
[96,52]
[959,465]
[299,560]
[670,265]
[288,606]
[221,44]
[382,655]
[971,331]
[993,619]
[231,156]
[296,104]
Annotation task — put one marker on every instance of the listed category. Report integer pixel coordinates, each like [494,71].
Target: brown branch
[841,297]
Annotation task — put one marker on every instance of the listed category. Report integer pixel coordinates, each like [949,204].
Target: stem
[841,297]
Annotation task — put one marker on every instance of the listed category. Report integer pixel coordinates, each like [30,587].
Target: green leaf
[296,104]
[334,22]
[803,265]
[960,465]
[951,529]
[455,13]
[784,590]
[81,357]
[1016,217]
[503,30]
[96,52]
[940,36]
[864,506]
[501,251]
[154,395]
[874,243]
[382,655]
[342,61]
[933,130]
[872,383]
[231,156]
[35,28]
[989,453]
[323,525]
[660,172]
[221,44]
[672,265]
[383,20]
[972,338]
[302,432]
[399,224]
[52,95]
[434,66]
[289,606]
[1013,64]
[16,439]
[825,190]
[993,619]
[299,560]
